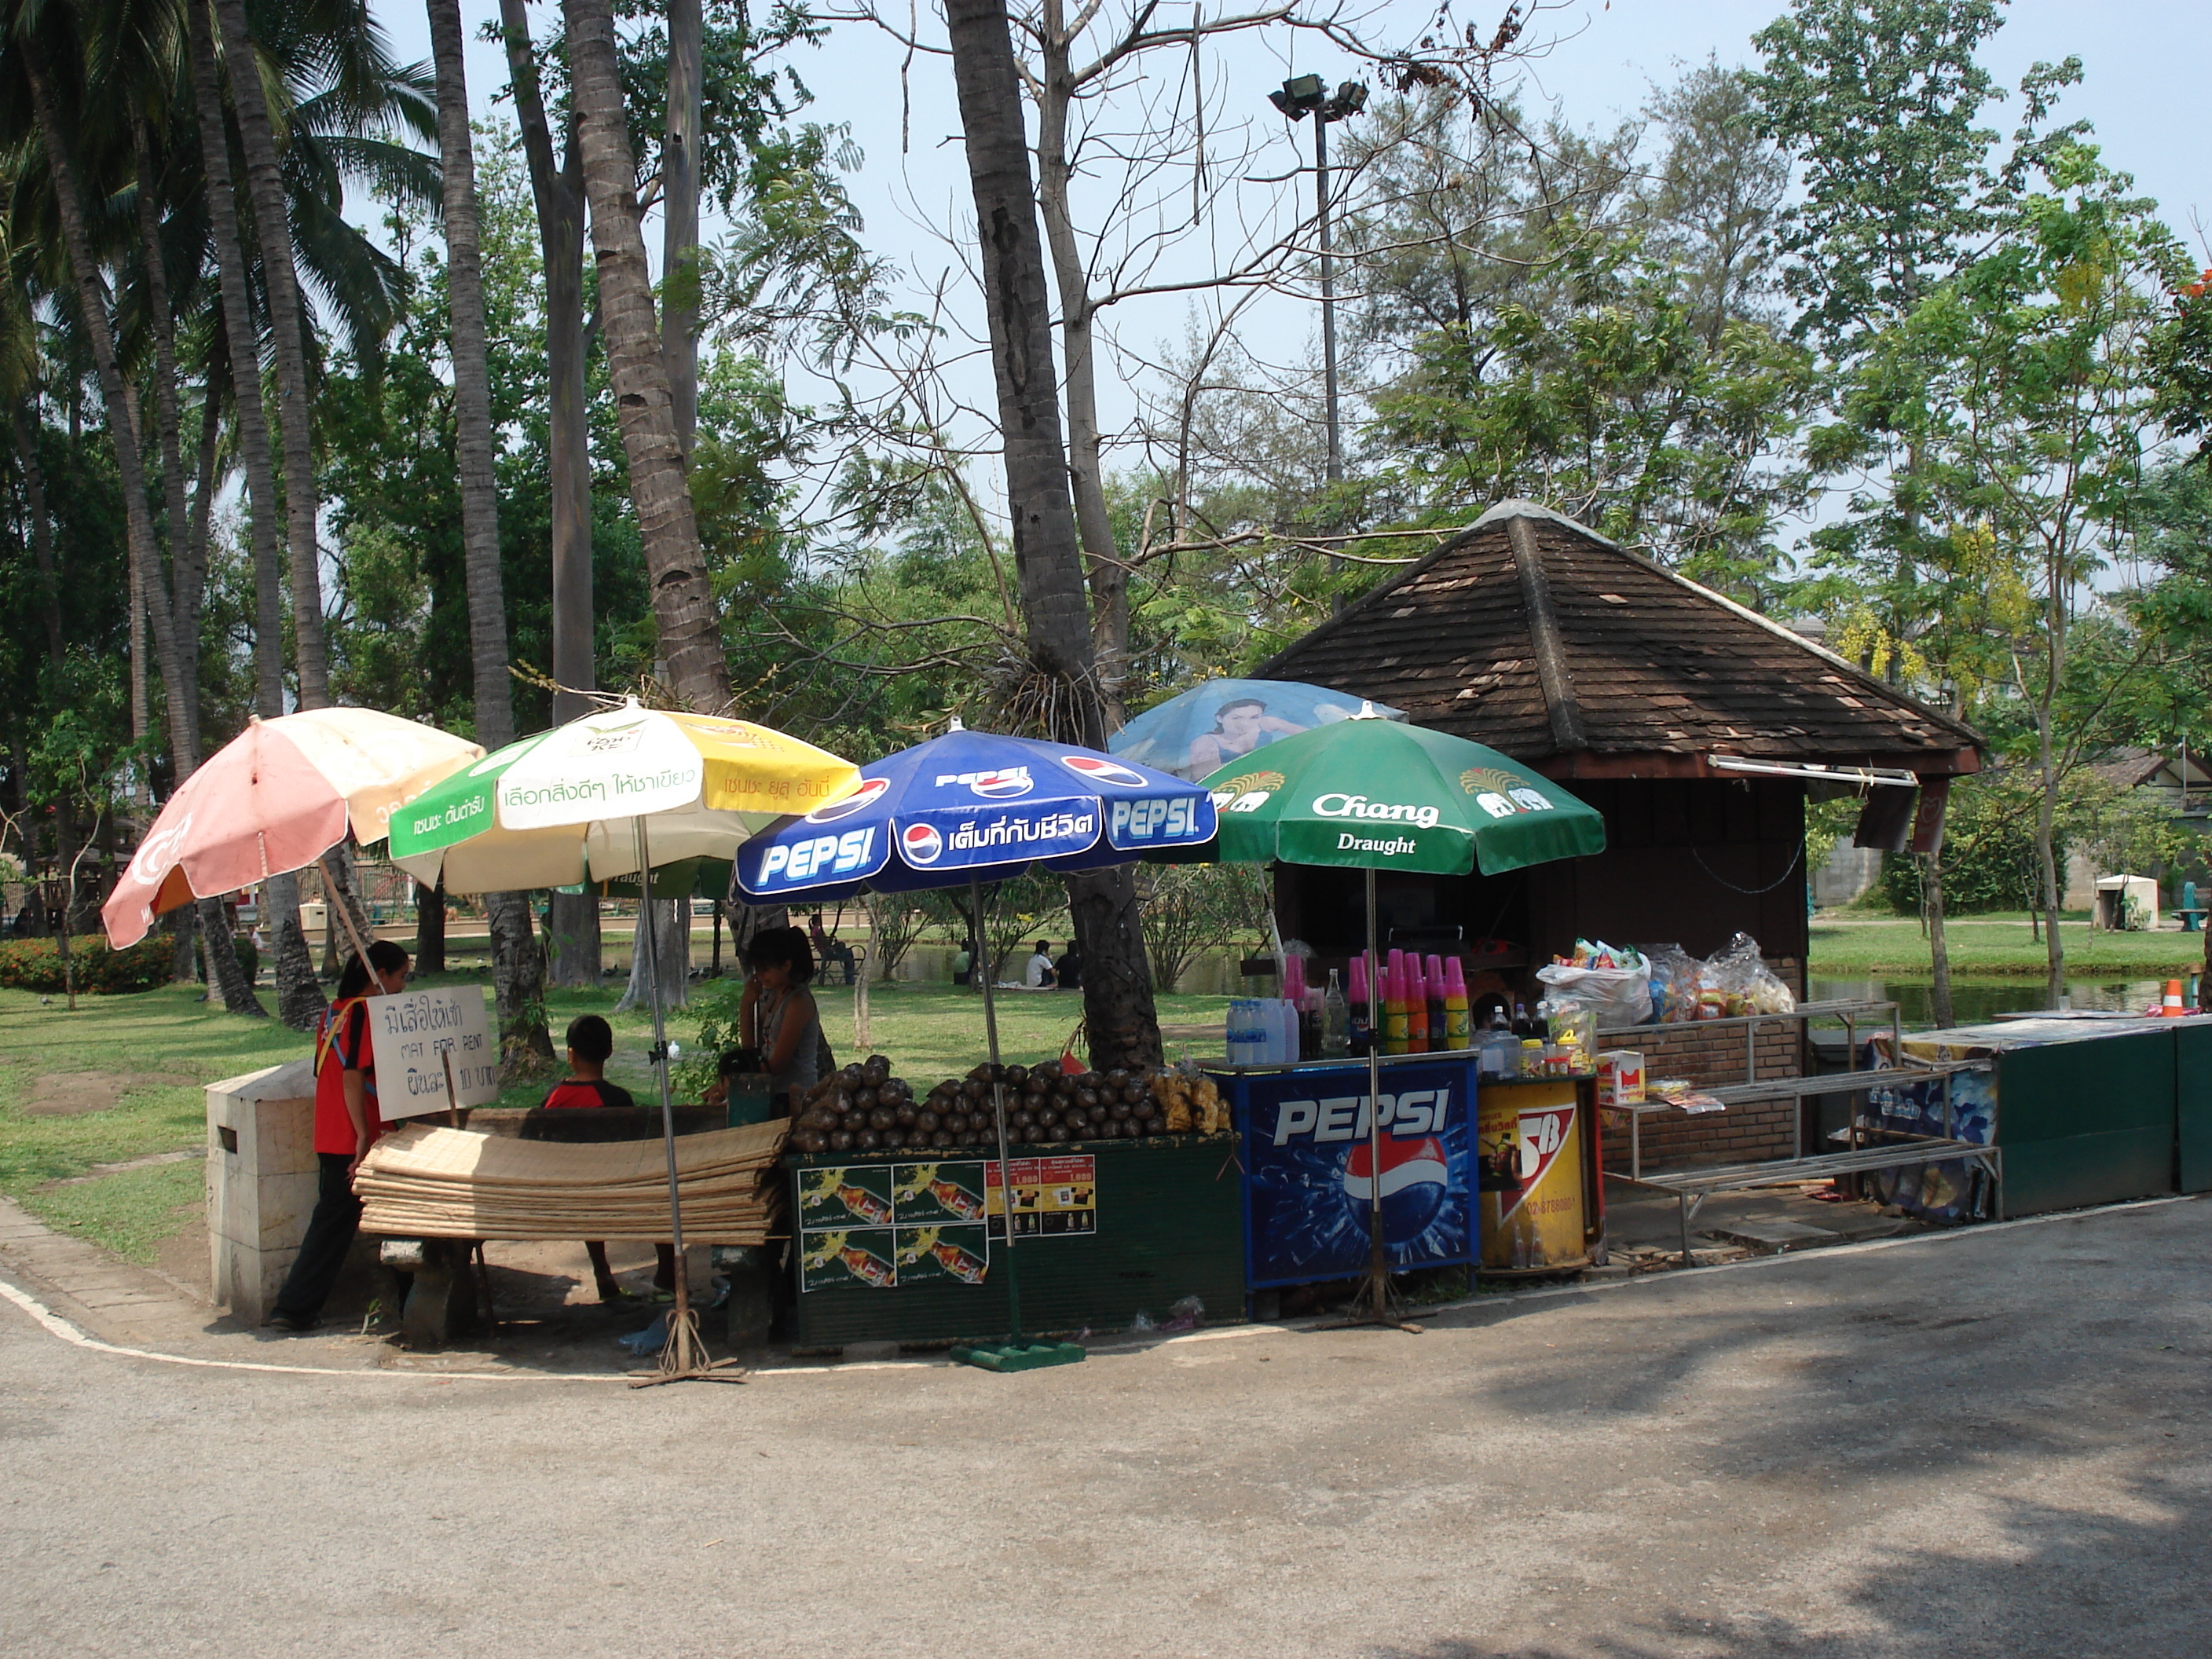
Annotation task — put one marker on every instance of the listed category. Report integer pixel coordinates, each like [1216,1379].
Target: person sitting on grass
[1036,973]
[590,1042]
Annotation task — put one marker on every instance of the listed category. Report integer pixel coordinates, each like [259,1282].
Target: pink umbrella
[276,799]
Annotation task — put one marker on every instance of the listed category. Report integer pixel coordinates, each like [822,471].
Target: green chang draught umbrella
[1369,793]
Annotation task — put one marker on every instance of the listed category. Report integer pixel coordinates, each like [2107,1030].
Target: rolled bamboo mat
[427,1181]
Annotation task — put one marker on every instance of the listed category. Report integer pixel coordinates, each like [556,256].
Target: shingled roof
[1541,638]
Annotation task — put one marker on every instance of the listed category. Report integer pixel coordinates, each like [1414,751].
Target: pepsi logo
[1003,784]
[922,844]
[1416,1182]
[1097,769]
[869,791]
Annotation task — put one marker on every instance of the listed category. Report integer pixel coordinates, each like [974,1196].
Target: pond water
[1975,1001]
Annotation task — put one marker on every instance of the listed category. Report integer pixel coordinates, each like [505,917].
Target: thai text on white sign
[415,1034]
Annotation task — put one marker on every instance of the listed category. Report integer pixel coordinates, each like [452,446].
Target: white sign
[413,1036]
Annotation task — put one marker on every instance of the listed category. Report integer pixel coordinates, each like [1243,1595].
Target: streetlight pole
[1303,95]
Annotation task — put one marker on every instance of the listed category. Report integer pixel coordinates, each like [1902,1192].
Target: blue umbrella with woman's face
[1202,730]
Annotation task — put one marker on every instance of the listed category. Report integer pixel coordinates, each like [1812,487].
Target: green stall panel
[2086,1123]
[2192,1099]
[1121,1227]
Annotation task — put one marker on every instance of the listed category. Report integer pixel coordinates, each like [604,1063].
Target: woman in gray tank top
[777,1014]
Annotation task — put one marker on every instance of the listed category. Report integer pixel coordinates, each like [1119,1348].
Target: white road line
[56,1325]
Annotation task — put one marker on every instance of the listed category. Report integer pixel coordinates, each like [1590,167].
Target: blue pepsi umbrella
[974,807]
[1198,732]
[959,810]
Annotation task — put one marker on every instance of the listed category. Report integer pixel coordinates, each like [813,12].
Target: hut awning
[1534,635]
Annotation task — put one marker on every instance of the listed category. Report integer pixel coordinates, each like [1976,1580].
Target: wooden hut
[1636,688]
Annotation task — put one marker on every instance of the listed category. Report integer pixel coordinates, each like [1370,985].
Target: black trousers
[331,1231]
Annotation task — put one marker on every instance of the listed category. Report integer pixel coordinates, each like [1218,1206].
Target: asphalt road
[1987,1444]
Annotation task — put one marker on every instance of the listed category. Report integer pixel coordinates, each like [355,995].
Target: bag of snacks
[1676,978]
[1616,983]
[1746,984]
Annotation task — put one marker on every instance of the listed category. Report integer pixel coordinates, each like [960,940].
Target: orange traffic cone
[2171,1007]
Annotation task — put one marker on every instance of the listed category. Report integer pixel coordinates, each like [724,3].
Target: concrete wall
[261,1181]
[1848,873]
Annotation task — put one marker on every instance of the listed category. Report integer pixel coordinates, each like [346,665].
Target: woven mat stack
[425,1181]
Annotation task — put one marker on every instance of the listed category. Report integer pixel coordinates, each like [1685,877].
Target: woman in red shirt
[346,1126]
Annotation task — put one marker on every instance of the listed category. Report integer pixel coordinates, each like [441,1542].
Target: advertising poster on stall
[882,1225]
[413,1035]
[1310,1174]
[1052,1197]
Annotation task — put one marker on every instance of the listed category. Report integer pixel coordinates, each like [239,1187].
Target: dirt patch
[72,1094]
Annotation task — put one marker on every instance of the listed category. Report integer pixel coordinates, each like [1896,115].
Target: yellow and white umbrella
[565,806]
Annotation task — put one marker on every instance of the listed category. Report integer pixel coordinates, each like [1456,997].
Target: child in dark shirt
[591,1041]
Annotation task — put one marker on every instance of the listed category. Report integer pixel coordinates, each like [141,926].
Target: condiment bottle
[1456,1032]
[1394,1008]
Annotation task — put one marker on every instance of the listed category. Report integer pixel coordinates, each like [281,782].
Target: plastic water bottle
[1336,1021]
[1247,1035]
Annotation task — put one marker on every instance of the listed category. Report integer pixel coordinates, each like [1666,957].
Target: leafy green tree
[2032,398]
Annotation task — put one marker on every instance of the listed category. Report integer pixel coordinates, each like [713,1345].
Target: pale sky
[2145,61]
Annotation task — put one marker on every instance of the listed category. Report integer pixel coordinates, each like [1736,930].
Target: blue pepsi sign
[972,804]
[1310,1174]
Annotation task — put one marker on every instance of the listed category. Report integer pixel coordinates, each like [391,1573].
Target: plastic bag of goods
[1743,978]
[1613,981]
[1676,978]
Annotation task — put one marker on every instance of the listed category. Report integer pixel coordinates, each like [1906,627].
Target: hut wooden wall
[1687,862]
[1679,854]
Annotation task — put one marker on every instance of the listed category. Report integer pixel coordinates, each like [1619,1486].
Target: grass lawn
[1997,946]
[152,1052]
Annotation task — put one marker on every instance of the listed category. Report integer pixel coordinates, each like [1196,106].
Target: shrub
[35,965]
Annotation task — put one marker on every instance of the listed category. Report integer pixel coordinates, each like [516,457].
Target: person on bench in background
[591,1044]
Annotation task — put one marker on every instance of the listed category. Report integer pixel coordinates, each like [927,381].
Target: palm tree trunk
[683,602]
[280,279]
[1117,991]
[42,531]
[185,583]
[292,965]
[92,302]
[517,975]
[680,215]
[573,919]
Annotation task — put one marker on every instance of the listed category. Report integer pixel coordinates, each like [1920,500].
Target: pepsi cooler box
[1309,1175]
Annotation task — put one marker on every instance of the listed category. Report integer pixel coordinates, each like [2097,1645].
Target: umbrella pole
[999,1111]
[684,1355]
[1373,1303]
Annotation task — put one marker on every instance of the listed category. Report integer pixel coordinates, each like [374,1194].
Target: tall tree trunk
[2046,811]
[517,968]
[1939,944]
[680,215]
[185,583]
[683,601]
[429,928]
[1109,577]
[292,964]
[573,919]
[184,736]
[281,283]
[42,534]
[671,933]
[92,303]
[1117,991]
